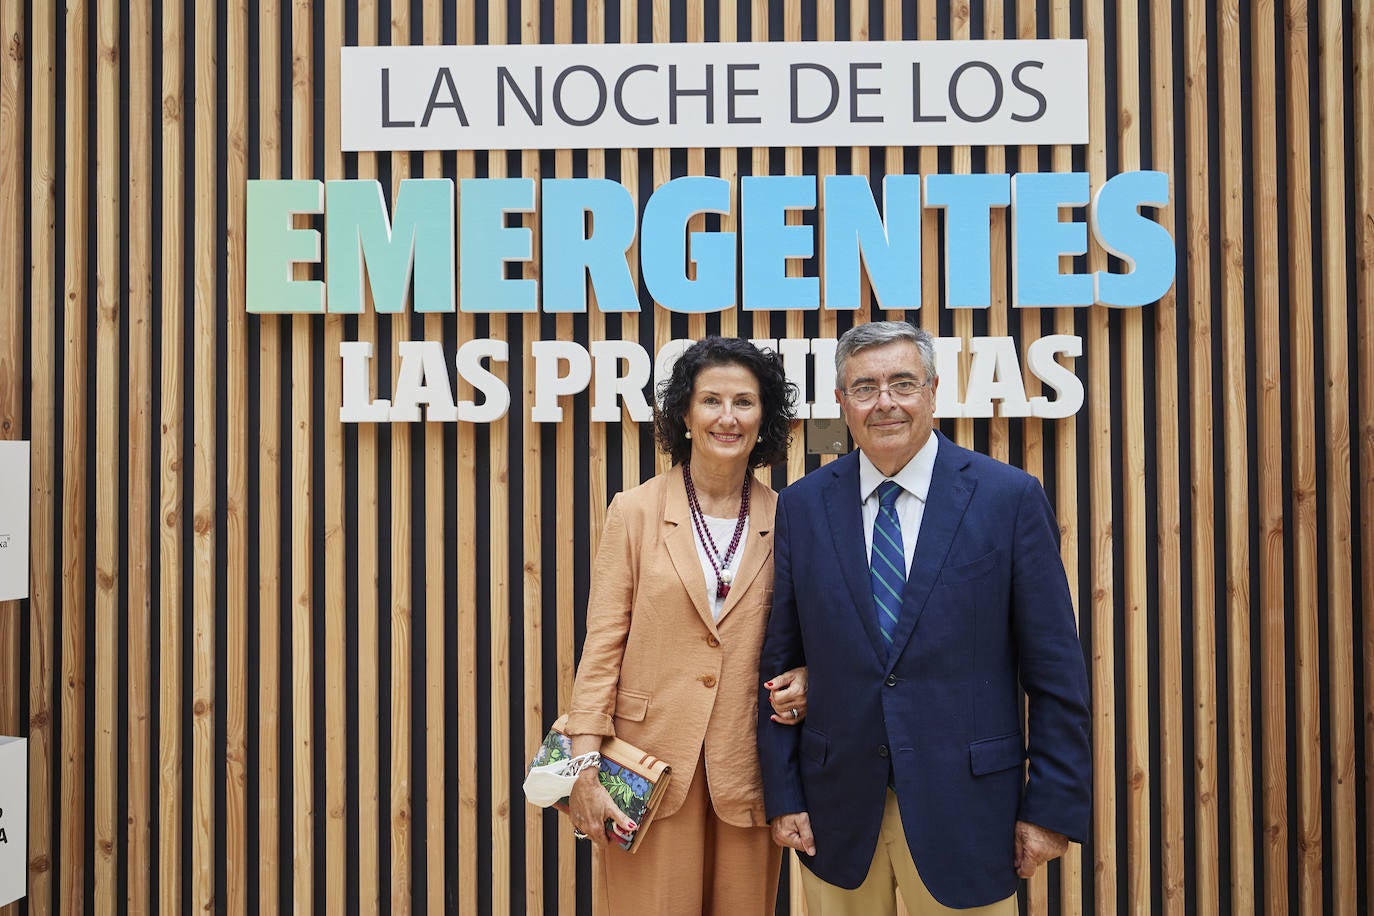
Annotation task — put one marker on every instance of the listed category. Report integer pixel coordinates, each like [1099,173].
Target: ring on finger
[792,712]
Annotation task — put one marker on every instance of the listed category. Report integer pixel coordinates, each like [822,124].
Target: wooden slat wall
[273,663]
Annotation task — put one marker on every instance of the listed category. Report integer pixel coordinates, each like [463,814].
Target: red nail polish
[769,685]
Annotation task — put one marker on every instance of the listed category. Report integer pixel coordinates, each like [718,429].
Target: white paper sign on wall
[14,520]
[14,817]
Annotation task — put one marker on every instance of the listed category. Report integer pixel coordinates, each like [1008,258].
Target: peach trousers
[693,863]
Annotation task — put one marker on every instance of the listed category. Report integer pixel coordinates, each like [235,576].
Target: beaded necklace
[721,564]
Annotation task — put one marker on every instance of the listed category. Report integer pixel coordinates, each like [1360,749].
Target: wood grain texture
[1364,350]
[138,638]
[301,544]
[1102,674]
[1337,579]
[1201,453]
[1264,197]
[1236,467]
[75,414]
[171,674]
[44,481]
[1303,452]
[206,236]
[336,530]
[108,438]
[268,487]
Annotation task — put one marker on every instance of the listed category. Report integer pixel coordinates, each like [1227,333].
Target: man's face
[890,429]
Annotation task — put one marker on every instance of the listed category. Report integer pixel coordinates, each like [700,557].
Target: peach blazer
[656,669]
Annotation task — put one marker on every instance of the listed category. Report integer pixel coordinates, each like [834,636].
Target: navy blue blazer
[986,609]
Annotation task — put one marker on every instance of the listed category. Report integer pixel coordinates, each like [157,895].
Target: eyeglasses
[898,390]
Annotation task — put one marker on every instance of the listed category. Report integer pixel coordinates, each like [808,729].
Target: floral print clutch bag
[636,781]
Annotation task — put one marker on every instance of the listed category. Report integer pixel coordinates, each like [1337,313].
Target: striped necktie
[886,568]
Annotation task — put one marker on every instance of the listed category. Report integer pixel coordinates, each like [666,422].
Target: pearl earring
[689,434]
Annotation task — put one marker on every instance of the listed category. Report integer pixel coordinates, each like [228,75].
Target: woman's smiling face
[725,414]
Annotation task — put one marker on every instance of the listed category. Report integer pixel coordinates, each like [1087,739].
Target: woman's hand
[590,807]
[787,695]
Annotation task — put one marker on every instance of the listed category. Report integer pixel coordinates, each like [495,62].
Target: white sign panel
[879,93]
[14,520]
[14,818]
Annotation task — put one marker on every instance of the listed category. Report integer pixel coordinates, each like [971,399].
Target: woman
[681,590]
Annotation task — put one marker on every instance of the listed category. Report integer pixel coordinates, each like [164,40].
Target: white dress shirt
[914,479]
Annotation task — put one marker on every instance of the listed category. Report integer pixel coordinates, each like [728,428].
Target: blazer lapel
[757,548]
[843,510]
[682,546]
[950,491]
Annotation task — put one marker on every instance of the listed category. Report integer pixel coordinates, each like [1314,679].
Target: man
[921,583]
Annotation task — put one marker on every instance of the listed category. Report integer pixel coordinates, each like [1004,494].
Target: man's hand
[1034,846]
[794,831]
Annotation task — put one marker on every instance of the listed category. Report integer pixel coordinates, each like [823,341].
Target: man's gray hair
[878,333]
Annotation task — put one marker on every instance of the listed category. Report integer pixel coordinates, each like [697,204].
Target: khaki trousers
[693,863]
[892,870]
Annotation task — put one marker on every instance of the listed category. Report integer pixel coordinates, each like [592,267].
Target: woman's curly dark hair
[778,394]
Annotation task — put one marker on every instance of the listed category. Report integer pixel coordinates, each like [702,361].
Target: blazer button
[892,680]
[882,750]
[708,680]
[712,641]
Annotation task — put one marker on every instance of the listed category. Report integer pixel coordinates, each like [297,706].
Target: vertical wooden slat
[961,163]
[466,485]
[1101,530]
[858,165]
[336,534]
[929,164]
[1337,584]
[1032,449]
[1237,467]
[826,323]
[597,475]
[532,561]
[1067,492]
[437,585]
[1169,550]
[999,445]
[302,493]
[206,530]
[108,303]
[12,365]
[499,573]
[1299,379]
[12,368]
[235,652]
[796,319]
[369,545]
[662,173]
[74,416]
[43,482]
[1269,427]
[629,321]
[696,159]
[1140,710]
[268,486]
[1201,445]
[1364,297]
[402,599]
[137,835]
[171,507]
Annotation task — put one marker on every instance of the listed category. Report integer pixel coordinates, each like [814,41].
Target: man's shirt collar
[914,478]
